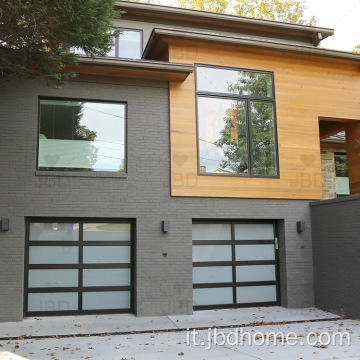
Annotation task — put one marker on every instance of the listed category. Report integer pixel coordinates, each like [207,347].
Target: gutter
[244,41]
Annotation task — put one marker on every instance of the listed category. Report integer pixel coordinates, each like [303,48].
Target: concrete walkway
[127,323]
[126,337]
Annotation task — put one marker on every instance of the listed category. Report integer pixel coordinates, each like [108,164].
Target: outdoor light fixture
[4,225]
[166,226]
[300,226]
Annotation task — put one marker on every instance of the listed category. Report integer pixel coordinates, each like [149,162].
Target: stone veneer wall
[328,172]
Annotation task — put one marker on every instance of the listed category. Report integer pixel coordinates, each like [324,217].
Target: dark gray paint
[336,250]
[163,285]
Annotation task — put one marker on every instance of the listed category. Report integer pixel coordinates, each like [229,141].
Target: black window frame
[247,99]
[233,263]
[84,171]
[80,266]
[117,43]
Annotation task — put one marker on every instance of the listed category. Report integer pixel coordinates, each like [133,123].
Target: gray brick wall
[163,284]
[336,250]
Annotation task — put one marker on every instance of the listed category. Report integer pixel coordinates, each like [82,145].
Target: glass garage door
[75,267]
[234,265]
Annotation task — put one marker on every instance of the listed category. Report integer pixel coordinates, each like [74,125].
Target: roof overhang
[190,15]
[141,69]
[165,33]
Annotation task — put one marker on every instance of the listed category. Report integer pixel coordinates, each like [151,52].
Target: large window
[236,122]
[81,135]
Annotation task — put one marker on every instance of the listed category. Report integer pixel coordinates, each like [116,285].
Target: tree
[218,6]
[71,127]
[291,11]
[357,48]
[37,38]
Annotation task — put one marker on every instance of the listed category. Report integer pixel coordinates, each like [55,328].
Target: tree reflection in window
[81,135]
[245,130]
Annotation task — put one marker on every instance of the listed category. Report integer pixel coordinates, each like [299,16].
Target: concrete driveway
[254,333]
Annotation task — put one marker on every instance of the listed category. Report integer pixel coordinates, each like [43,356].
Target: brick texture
[163,285]
[336,249]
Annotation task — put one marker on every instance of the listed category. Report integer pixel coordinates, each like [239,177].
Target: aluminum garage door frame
[221,251]
[82,268]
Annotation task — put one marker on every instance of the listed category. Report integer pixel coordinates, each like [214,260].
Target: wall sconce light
[4,225]
[300,226]
[166,226]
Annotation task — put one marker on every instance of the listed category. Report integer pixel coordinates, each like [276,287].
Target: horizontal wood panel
[306,88]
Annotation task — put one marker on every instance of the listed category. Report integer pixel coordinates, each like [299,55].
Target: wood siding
[306,88]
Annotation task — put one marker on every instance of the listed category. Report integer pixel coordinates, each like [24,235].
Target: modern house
[176,173]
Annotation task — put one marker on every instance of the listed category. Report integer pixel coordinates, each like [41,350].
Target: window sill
[93,174]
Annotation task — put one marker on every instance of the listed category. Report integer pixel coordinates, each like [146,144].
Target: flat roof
[193,15]
[128,68]
[160,32]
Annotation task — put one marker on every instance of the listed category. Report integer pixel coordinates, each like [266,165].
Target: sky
[341,15]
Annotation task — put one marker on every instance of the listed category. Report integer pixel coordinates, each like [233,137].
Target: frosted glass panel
[254,232]
[53,255]
[106,232]
[254,252]
[53,301]
[253,294]
[213,296]
[106,300]
[106,277]
[211,232]
[53,278]
[106,254]
[255,273]
[211,253]
[212,274]
[54,231]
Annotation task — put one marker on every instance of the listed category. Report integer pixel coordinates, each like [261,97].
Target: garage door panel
[106,232]
[205,253]
[59,301]
[53,254]
[213,296]
[212,274]
[109,300]
[106,254]
[53,278]
[106,277]
[254,252]
[256,294]
[211,232]
[54,231]
[254,232]
[255,273]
